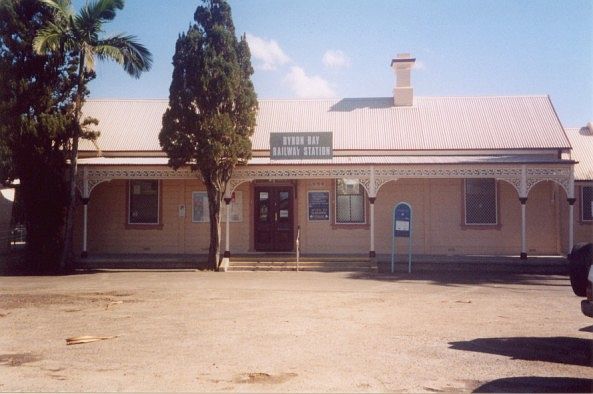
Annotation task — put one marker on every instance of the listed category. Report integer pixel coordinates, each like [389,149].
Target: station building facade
[483,175]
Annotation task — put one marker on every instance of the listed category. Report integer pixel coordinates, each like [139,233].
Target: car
[587,305]
[580,267]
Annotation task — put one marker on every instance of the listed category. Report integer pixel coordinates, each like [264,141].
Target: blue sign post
[402,228]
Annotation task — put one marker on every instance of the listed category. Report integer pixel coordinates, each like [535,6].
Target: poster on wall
[201,212]
[318,205]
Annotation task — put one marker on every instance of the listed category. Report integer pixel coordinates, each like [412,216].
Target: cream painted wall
[437,221]
[107,232]
[325,236]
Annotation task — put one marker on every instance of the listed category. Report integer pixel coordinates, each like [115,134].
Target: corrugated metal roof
[341,160]
[582,151]
[126,125]
[124,161]
[432,123]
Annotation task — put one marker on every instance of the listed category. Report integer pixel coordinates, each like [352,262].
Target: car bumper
[587,307]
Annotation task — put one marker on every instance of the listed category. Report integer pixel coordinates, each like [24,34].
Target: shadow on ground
[461,278]
[537,384]
[562,350]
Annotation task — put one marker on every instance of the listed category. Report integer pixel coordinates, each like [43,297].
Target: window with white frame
[349,201]
[480,202]
[143,202]
[586,201]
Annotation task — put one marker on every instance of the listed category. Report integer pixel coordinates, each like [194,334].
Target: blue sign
[402,216]
[318,205]
[402,227]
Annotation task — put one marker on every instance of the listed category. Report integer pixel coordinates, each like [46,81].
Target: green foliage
[212,106]
[79,35]
[35,123]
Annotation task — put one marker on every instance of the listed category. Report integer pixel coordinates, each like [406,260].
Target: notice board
[318,205]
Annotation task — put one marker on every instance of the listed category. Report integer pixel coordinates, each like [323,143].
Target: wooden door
[274,218]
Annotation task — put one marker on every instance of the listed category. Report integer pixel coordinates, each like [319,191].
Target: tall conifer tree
[35,119]
[212,107]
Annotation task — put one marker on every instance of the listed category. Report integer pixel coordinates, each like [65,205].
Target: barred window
[586,199]
[349,201]
[480,202]
[144,202]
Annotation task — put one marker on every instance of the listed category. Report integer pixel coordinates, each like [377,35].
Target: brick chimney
[403,94]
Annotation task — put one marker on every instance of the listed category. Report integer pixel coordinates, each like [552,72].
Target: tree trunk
[67,252]
[214,201]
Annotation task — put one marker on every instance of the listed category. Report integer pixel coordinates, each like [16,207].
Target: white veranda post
[85,202]
[227,237]
[571,200]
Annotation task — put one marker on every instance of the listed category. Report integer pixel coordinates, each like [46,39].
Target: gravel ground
[294,331]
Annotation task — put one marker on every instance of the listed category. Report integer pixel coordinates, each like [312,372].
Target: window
[586,200]
[349,201]
[480,202]
[144,202]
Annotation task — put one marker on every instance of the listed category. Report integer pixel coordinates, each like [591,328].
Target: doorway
[273,218]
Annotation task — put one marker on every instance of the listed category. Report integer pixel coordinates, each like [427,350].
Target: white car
[587,305]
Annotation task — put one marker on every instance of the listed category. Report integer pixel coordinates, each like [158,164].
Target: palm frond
[62,8]
[48,39]
[85,26]
[125,50]
[103,10]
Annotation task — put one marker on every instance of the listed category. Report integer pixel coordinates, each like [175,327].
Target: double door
[274,218]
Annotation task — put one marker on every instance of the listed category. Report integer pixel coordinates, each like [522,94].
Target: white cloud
[305,86]
[335,59]
[419,65]
[268,52]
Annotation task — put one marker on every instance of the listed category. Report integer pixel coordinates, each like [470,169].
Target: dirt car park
[294,332]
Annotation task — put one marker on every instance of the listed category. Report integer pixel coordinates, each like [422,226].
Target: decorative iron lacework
[97,175]
[560,174]
[301,173]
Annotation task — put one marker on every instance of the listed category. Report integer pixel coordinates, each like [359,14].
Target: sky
[343,48]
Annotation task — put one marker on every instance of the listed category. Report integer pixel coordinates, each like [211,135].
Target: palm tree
[79,35]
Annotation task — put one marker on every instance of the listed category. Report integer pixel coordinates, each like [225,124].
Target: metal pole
[84,228]
[410,246]
[372,204]
[298,247]
[570,225]
[227,244]
[393,243]
[85,201]
[523,233]
[227,238]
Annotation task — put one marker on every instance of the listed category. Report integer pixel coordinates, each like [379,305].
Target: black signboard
[318,205]
[301,146]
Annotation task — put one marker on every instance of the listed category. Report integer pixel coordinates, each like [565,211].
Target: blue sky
[343,48]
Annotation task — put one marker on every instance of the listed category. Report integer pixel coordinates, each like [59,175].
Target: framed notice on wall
[201,212]
[318,205]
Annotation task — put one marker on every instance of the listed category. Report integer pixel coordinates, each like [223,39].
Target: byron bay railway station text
[289,146]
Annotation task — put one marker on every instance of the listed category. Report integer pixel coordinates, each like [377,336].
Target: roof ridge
[127,99]
[103,99]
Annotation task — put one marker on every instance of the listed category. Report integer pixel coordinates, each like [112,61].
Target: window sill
[481,227]
[129,226]
[353,226]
